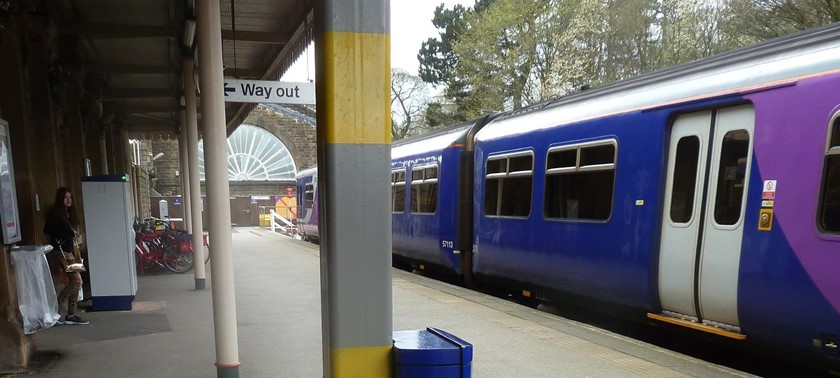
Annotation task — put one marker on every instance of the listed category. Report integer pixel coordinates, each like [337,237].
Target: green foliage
[758,20]
[499,49]
[438,63]
[436,56]
[437,116]
[505,54]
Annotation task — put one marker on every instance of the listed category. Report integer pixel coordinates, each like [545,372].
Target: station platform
[169,333]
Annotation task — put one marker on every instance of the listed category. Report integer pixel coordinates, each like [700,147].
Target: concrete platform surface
[169,333]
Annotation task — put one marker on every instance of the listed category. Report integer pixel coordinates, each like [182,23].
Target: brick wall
[142,178]
[247,189]
[297,135]
[167,167]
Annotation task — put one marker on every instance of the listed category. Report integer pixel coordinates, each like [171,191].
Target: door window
[685,179]
[731,173]
[309,196]
[830,204]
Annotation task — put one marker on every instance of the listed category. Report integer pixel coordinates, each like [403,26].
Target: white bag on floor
[36,293]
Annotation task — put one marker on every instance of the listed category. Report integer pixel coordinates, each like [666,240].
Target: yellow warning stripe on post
[362,362]
[357,88]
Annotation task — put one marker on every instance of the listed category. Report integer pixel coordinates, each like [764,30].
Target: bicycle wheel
[140,261]
[206,255]
[176,261]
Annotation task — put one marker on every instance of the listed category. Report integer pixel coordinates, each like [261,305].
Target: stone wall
[141,177]
[247,189]
[297,135]
[167,167]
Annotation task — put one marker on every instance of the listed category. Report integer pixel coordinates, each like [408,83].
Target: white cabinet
[110,241]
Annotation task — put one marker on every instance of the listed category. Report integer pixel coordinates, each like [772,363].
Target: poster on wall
[8,196]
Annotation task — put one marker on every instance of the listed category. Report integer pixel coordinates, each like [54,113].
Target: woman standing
[61,225]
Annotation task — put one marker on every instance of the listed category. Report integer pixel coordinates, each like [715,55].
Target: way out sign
[277,92]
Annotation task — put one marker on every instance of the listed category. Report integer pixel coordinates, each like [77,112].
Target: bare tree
[765,19]
[409,99]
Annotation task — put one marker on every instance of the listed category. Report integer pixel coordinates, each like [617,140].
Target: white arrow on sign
[277,92]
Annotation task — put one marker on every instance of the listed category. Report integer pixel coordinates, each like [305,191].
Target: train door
[700,250]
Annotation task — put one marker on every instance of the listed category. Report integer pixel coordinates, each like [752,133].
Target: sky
[411,25]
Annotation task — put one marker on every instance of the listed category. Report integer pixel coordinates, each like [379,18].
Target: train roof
[775,62]
[434,141]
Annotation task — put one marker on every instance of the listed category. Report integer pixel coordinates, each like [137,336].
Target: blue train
[705,195]
[306,184]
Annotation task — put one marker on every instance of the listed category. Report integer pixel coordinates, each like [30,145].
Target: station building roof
[133,51]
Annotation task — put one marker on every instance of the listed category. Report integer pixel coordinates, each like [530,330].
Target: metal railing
[278,223]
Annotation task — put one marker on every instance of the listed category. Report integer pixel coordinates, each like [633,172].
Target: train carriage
[431,200]
[705,195]
[306,185]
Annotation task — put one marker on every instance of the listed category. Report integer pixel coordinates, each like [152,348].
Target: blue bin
[431,353]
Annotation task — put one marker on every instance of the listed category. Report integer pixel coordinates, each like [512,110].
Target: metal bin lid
[430,347]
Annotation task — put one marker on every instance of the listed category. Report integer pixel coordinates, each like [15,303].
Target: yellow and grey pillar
[352,45]
[209,32]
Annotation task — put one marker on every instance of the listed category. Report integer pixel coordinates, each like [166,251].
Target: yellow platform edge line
[699,327]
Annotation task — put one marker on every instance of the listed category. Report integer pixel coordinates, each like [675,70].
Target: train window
[685,179]
[562,159]
[497,166]
[398,191]
[731,174]
[308,196]
[597,155]
[507,186]
[579,181]
[830,204]
[424,189]
[520,164]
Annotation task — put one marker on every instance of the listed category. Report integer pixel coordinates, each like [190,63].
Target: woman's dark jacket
[58,227]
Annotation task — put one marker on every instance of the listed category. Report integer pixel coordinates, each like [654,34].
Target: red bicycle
[156,244]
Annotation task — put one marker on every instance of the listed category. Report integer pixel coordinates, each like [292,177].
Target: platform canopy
[130,52]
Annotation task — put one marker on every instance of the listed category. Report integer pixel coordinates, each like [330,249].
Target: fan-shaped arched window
[254,154]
